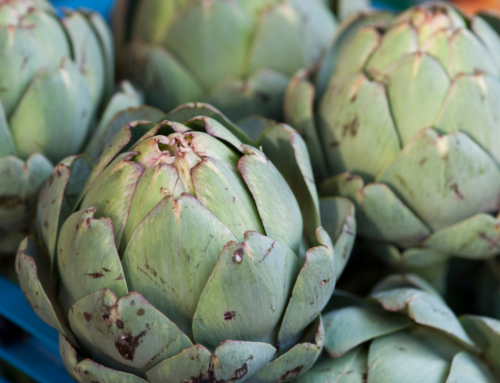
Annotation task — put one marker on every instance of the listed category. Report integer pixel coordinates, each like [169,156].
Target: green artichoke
[56,76]
[403,333]
[407,123]
[238,55]
[186,256]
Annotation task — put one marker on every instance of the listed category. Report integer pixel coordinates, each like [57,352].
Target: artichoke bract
[56,77]
[237,55]
[187,256]
[404,332]
[408,121]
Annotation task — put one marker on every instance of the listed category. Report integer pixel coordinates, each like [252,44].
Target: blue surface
[105,6]
[102,6]
[3,380]
[16,309]
[30,357]
[38,355]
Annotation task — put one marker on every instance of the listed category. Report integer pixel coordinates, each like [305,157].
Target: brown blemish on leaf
[239,373]
[402,181]
[269,251]
[291,374]
[423,161]
[351,128]
[87,316]
[347,231]
[229,315]
[334,144]
[106,270]
[152,360]
[457,192]
[127,344]
[119,278]
[492,242]
[146,274]
[153,271]
[25,61]
[325,281]
[95,275]
[264,97]
[140,312]
[120,324]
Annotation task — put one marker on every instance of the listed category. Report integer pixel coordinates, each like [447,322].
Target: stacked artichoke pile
[190,243]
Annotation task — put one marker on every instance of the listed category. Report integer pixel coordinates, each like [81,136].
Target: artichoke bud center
[429,20]
[186,158]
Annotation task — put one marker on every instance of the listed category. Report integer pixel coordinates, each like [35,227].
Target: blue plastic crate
[102,6]
[105,6]
[37,355]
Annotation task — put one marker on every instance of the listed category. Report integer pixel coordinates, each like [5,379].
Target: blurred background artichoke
[56,82]
[236,55]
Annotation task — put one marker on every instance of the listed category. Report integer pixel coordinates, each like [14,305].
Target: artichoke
[407,125]
[238,55]
[56,76]
[403,333]
[186,256]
